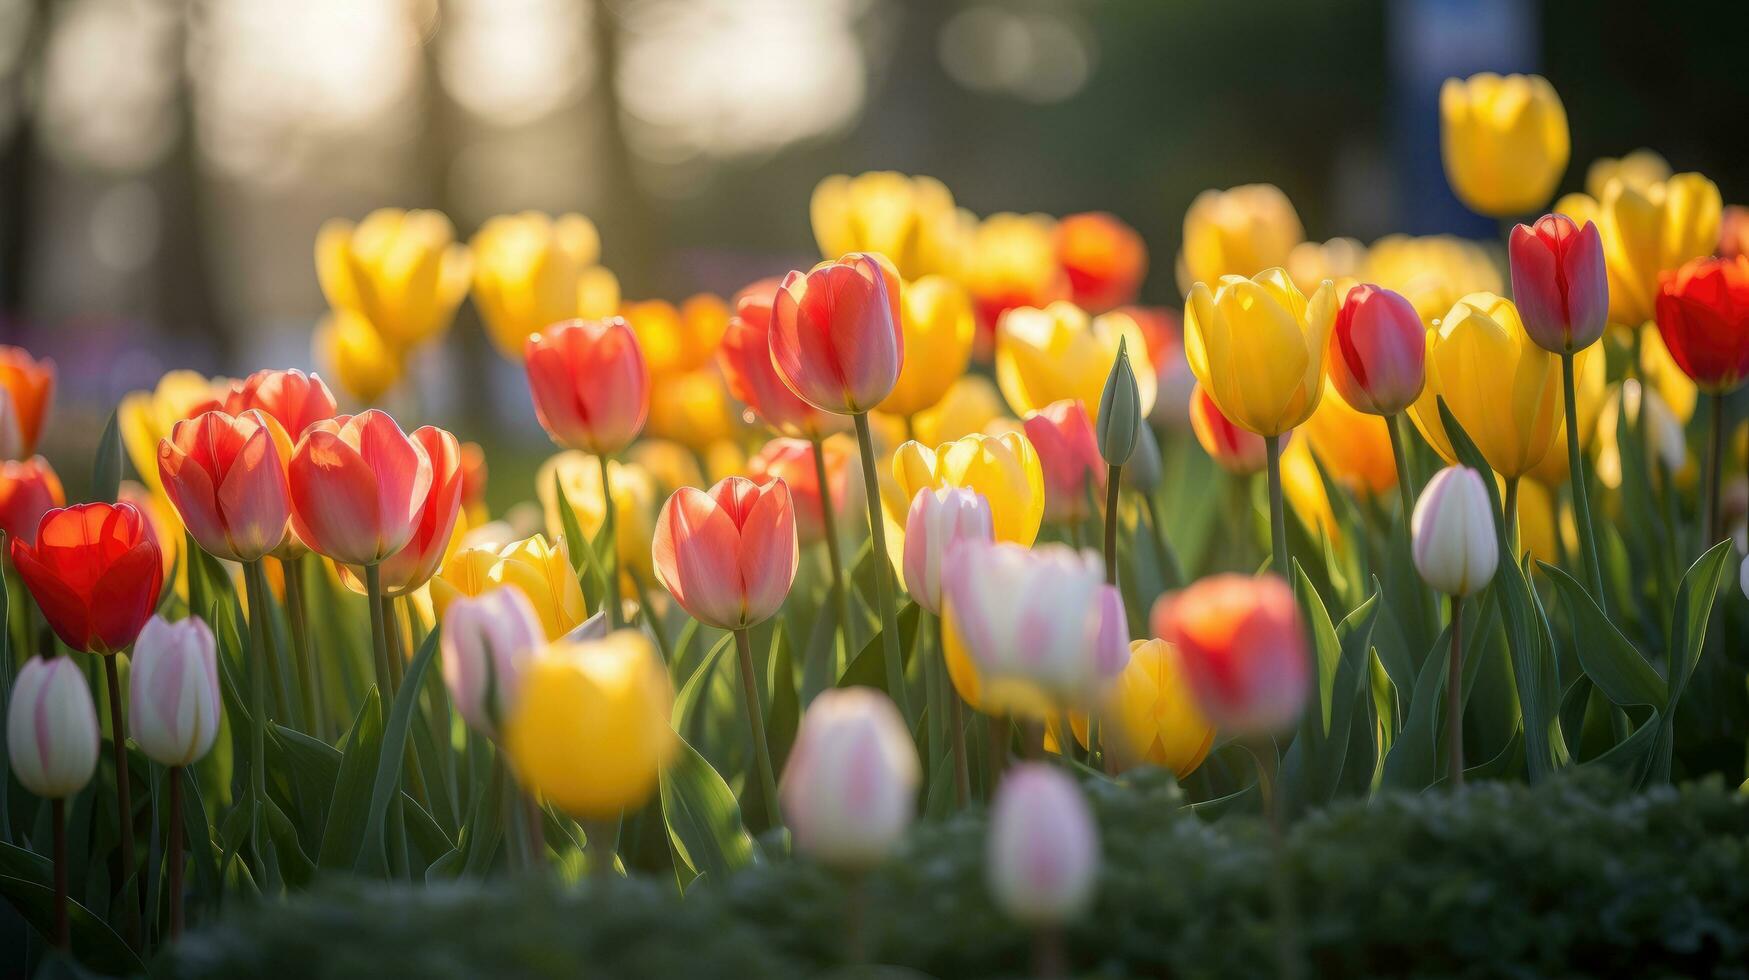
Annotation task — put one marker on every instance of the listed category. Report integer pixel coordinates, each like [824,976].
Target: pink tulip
[51,728]
[485,642]
[225,477]
[292,398]
[1378,351]
[1042,849]
[849,789]
[835,334]
[728,555]
[1068,451]
[173,691]
[412,566]
[590,385]
[937,522]
[1559,283]
[1243,649]
[357,487]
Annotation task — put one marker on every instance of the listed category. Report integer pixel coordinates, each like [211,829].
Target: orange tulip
[1354,447]
[745,357]
[676,340]
[836,338]
[224,475]
[29,489]
[1074,471]
[292,399]
[792,461]
[1243,649]
[1239,451]
[1104,259]
[590,386]
[728,555]
[27,385]
[357,486]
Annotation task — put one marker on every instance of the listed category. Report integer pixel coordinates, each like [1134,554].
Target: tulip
[1504,140]
[1703,317]
[1030,633]
[27,387]
[1238,451]
[668,464]
[1004,469]
[1378,347]
[1104,259]
[1069,456]
[1013,264]
[1453,532]
[970,405]
[473,477]
[1237,232]
[542,572]
[939,520]
[591,389]
[1638,169]
[695,409]
[1734,232]
[1559,282]
[1648,233]
[936,318]
[357,487]
[292,399]
[589,727]
[1659,370]
[225,476]
[849,789]
[1243,649]
[487,641]
[1306,494]
[1145,468]
[677,340]
[173,691]
[94,572]
[633,492]
[1340,260]
[360,359]
[836,336]
[745,359]
[1042,850]
[1355,447]
[1432,272]
[1047,355]
[28,490]
[911,220]
[51,728]
[1257,347]
[532,270]
[1152,715]
[145,418]
[401,270]
[1120,411]
[403,572]
[728,555]
[792,461]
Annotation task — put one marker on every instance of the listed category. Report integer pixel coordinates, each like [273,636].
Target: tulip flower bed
[1363,627]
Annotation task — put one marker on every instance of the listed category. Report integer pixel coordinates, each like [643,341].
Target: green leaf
[388,775]
[1694,607]
[703,818]
[1315,762]
[1413,762]
[352,787]
[686,702]
[1609,659]
[106,465]
[784,714]
[27,880]
[869,669]
[577,543]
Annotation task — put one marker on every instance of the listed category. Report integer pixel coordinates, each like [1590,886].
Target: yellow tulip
[678,340]
[1504,140]
[1501,387]
[1340,260]
[1354,447]
[1580,207]
[532,270]
[723,459]
[970,404]
[939,329]
[1537,520]
[145,417]
[1589,394]
[1150,716]
[1257,347]
[1640,170]
[694,408]
[1303,488]
[356,356]
[1432,272]
[1047,355]
[1658,370]
[540,571]
[910,220]
[1237,232]
[1651,230]
[669,463]
[634,506]
[1013,262]
[589,728]
[1005,469]
[402,271]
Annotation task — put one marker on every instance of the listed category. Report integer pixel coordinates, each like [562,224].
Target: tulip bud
[1120,410]
[1243,649]
[728,555]
[849,789]
[28,489]
[486,641]
[27,387]
[1559,282]
[1144,470]
[51,728]
[1378,350]
[1042,850]
[1453,532]
[1703,316]
[939,520]
[173,691]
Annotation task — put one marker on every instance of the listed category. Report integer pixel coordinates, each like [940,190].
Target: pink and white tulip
[849,791]
[1453,532]
[486,641]
[51,728]
[173,691]
[1042,851]
[939,520]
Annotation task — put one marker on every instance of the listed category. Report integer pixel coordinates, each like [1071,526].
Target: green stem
[1113,473]
[379,638]
[756,722]
[883,571]
[1509,516]
[175,859]
[1405,485]
[254,582]
[131,900]
[609,523]
[1715,465]
[310,685]
[1576,477]
[1277,516]
[1454,697]
[58,815]
[840,595]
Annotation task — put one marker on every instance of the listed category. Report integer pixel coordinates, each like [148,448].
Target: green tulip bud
[1142,473]
[1120,411]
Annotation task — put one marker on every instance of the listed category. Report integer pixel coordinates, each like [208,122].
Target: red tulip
[728,554]
[1069,453]
[1378,351]
[792,461]
[26,387]
[1703,316]
[357,486]
[224,476]
[1104,259]
[95,572]
[292,399]
[591,388]
[1239,451]
[1243,650]
[28,490]
[1559,282]
[835,334]
[745,358]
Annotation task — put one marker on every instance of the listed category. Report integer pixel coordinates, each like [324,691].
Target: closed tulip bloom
[1073,469]
[849,789]
[1243,649]
[1120,411]
[728,555]
[1042,850]
[486,643]
[1151,714]
[591,389]
[434,525]
[1257,347]
[51,728]
[911,220]
[532,270]
[677,339]
[1238,451]
[1004,469]
[935,316]
[1703,316]
[937,522]
[1378,350]
[1237,232]
[634,505]
[173,691]
[1453,532]
[401,270]
[540,570]
[1030,633]
[292,399]
[836,338]
[1013,264]
[1501,387]
[1559,282]
[1648,229]
[359,358]
[225,477]
[95,572]
[357,487]
[589,727]
[1504,140]
[1639,168]
[1104,259]
[145,418]
[1432,272]
[27,387]
[1047,355]
[792,461]
[28,489]
[744,356]
[1354,447]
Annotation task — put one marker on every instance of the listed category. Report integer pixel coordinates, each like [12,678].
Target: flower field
[1380,610]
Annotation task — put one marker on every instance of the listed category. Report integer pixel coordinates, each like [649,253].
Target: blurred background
[165,164]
